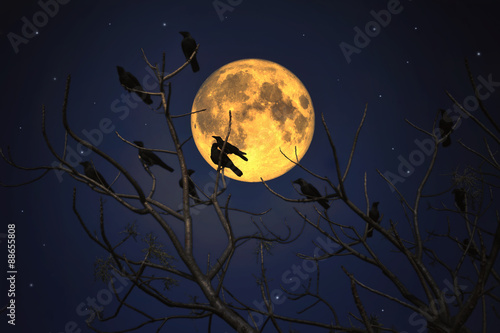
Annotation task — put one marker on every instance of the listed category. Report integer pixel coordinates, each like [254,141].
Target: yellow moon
[270,108]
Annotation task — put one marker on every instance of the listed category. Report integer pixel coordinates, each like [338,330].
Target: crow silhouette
[460,198]
[374,214]
[472,251]
[92,173]
[191,187]
[311,192]
[151,158]
[215,156]
[445,127]
[129,81]
[229,149]
[188,46]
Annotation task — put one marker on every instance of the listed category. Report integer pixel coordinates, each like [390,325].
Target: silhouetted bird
[472,251]
[229,149]
[226,162]
[130,82]
[191,187]
[151,158]
[188,46]
[374,215]
[311,192]
[92,173]
[460,198]
[445,127]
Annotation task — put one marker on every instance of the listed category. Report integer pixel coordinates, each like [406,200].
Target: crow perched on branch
[151,158]
[191,187]
[311,192]
[460,198]
[472,251]
[215,156]
[188,46]
[374,214]
[128,80]
[445,127]
[92,173]
[229,149]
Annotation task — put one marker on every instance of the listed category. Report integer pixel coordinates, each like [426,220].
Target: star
[54,78]
[31,285]
[303,35]
[36,32]
[379,95]
[94,103]
[392,148]
[478,53]
[414,28]
[407,61]
[109,23]
[43,244]
[164,24]
[22,210]
[20,127]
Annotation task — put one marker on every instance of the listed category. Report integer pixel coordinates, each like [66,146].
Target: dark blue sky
[402,73]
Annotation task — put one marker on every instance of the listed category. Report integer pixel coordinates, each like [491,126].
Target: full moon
[270,108]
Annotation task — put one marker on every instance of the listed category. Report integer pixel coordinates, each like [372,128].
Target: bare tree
[444,310]
[153,271]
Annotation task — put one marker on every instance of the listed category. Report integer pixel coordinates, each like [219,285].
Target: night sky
[401,73]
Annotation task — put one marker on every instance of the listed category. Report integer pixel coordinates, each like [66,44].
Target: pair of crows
[129,81]
[216,154]
[148,158]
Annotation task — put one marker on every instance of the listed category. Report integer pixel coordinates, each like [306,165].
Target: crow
[128,80]
[445,127]
[226,162]
[473,252]
[229,149]
[374,214]
[188,46]
[92,173]
[460,198]
[151,158]
[311,192]
[191,187]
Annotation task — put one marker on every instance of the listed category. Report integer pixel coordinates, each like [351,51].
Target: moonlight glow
[270,109]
